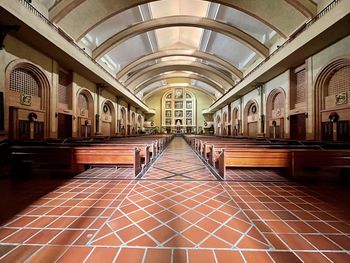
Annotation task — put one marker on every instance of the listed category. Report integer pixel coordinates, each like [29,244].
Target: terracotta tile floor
[107,173]
[185,220]
[262,175]
[178,162]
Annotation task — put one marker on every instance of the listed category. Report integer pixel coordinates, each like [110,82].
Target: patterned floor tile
[185,215]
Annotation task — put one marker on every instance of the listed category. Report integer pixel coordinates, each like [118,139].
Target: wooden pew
[72,160]
[253,157]
[107,155]
[306,159]
[296,160]
[215,149]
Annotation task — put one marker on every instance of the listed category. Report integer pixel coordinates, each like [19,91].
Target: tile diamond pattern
[178,222]
[178,162]
[102,218]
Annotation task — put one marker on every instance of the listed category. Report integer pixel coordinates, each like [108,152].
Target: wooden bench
[72,160]
[310,159]
[107,155]
[215,149]
[253,157]
[296,160]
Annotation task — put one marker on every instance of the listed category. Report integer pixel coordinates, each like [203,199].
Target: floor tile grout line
[251,221]
[115,208]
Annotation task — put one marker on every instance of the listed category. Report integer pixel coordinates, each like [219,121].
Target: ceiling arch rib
[174,21]
[307,7]
[166,66]
[171,75]
[266,11]
[147,95]
[190,53]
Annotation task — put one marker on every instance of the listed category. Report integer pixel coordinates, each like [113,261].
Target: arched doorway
[27,101]
[108,119]
[85,113]
[122,125]
[235,122]
[275,113]
[332,105]
[251,119]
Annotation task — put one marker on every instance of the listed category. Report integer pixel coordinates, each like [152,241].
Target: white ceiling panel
[229,49]
[130,50]
[246,23]
[112,26]
[178,7]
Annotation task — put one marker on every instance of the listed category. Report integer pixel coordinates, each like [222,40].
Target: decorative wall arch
[251,118]
[85,113]
[23,104]
[108,118]
[334,101]
[179,110]
[275,113]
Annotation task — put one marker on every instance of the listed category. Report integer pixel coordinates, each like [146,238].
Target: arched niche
[332,103]
[275,113]
[251,118]
[26,101]
[179,110]
[85,113]
[108,118]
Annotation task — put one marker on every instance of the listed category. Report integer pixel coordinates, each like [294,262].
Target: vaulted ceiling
[149,45]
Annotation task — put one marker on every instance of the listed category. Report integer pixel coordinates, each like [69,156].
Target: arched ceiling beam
[166,66]
[67,12]
[307,7]
[174,21]
[172,75]
[178,85]
[173,52]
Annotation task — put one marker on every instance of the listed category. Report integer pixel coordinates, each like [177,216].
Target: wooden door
[64,126]
[298,126]
[38,130]
[327,131]
[252,129]
[106,128]
[343,133]
[23,130]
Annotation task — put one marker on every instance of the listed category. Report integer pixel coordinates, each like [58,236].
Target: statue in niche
[178,122]
[178,94]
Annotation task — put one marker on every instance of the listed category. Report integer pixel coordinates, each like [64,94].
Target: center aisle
[178,162]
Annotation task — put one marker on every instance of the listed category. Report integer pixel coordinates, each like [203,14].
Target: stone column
[99,88]
[261,91]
